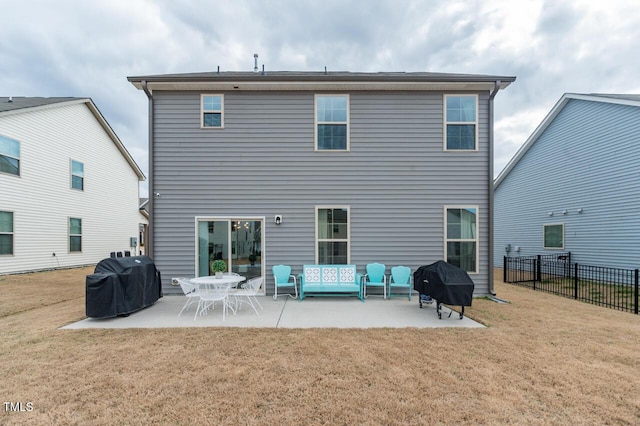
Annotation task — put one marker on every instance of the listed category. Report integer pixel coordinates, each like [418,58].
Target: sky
[88,48]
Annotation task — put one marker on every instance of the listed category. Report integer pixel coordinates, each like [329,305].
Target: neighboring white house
[68,186]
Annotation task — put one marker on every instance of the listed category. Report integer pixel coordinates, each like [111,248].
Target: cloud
[88,48]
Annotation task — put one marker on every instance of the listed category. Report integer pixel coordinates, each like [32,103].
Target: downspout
[492,95]
[149,247]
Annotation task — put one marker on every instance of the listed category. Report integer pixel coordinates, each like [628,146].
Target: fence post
[575,280]
[504,270]
[538,273]
[635,282]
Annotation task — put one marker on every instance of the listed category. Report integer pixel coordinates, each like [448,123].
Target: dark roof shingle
[20,102]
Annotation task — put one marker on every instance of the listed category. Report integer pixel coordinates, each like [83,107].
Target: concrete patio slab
[313,312]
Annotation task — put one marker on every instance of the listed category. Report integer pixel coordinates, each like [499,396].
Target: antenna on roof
[255,61]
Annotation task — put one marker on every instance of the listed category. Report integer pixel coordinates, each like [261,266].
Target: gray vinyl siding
[396,179]
[588,158]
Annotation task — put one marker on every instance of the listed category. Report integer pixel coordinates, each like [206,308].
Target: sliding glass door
[237,241]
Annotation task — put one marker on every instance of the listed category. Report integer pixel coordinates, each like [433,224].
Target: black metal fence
[610,287]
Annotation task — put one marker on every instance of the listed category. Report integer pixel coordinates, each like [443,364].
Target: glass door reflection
[236,241]
[246,247]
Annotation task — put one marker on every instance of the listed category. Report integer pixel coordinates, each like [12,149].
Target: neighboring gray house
[320,168]
[575,185]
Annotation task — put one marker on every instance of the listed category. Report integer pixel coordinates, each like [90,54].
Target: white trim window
[333,245]
[553,236]
[211,111]
[460,122]
[331,122]
[9,156]
[77,175]
[6,233]
[75,234]
[461,237]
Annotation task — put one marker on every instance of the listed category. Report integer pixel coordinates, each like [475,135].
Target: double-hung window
[332,122]
[77,175]
[9,156]
[553,236]
[75,234]
[461,123]
[332,235]
[212,111]
[6,233]
[461,237]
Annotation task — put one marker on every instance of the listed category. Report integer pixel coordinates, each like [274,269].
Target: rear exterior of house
[69,188]
[319,168]
[574,186]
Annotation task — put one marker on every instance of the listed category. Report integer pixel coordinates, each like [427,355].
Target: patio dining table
[230,280]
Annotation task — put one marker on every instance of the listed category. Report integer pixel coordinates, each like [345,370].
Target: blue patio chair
[400,277]
[375,277]
[282,277]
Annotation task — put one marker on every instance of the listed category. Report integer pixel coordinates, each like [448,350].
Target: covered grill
[445,283]
[122,285]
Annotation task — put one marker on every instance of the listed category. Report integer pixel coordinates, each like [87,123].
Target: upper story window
[332,122]
[461,237]
[6,233]
[461,123]
[75,234]
[9,156]
[212,111]
[77,175]
[554,236]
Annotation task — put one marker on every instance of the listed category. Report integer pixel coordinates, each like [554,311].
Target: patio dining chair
[190,291]
[211,293]
[400,278]
[375,277]
[247,294]
[282,277]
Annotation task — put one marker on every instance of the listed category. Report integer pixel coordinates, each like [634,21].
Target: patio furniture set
[206,291]
[343,280]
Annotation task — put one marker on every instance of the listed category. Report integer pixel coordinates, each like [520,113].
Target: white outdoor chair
[211,293]
[247,293]
[190,291]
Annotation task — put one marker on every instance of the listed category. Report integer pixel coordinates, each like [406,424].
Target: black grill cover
[446,283]
[122,285]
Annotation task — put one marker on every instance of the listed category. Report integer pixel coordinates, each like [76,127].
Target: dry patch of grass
[543,359]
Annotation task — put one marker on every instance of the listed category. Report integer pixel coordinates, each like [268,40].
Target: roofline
[319,81]
[98,115]
[548,120]
[116,140]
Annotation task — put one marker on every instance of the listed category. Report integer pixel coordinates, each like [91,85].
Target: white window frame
[316,122]
[12,233]
[74,235]
[463,240]
[446,122]
[15,158]
[203,111]
[342,240]
[544,243]
[71,161]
